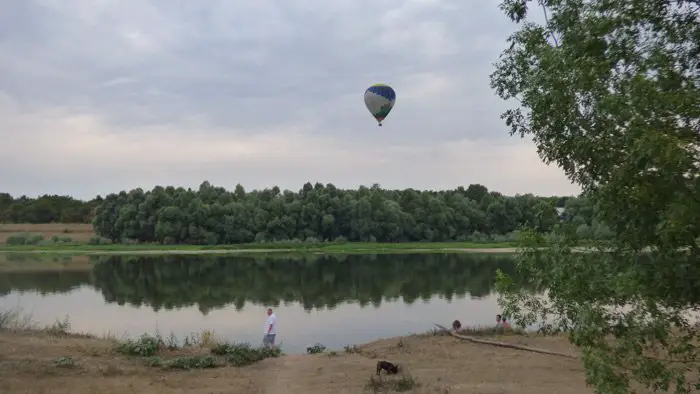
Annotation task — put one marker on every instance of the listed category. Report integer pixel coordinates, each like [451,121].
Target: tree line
[316,213]
[319,213]
[46,209]
[314,281]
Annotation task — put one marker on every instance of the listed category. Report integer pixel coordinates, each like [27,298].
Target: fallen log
[504,344]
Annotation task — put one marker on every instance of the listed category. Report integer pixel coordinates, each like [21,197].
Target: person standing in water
[270,329]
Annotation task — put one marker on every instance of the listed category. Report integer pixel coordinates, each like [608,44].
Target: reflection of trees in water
[315,281]
[43,282]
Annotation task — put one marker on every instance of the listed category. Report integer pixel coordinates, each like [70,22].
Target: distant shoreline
[330,248]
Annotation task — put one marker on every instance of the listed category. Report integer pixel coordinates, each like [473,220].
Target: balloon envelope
[379,99]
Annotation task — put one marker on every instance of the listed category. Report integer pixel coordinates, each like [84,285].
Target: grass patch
[64,362]
[184,362]
[242,354]
[327,247]
[157,352]
[386,384]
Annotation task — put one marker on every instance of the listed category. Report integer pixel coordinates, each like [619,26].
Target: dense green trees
[610,92]
[316,213]
[213,215]
[46,209]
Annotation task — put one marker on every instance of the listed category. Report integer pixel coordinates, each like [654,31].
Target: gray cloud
[100,95]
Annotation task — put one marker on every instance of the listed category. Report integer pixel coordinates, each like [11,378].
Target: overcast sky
[97,96]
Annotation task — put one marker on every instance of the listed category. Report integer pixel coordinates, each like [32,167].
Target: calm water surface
[333,300]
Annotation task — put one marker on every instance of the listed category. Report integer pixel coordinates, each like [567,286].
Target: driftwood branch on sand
[503,344]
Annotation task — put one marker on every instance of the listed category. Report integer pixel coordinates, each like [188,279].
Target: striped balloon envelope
[380,99]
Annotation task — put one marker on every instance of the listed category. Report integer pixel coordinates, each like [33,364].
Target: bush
[509,237]
[25,239]
[64,362]
[315,349]
[185,362]
[153,349]
[96,240]
[312,241]
[478,237]
[58,239]
[145,346]
[189,362]
[242,354]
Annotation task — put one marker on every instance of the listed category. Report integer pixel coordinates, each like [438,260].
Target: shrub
[478,237]
[33,238]
[185,362]
[96,240]
[242,354]
[64,362]
[315,349]
[189,362]
[25,239]
[312,241]
[61,239]
[144,346]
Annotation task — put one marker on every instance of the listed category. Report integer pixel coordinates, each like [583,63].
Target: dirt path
[280,374]
[283,375]
[432,364]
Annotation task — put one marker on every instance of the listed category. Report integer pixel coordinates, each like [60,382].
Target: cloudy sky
[97,96]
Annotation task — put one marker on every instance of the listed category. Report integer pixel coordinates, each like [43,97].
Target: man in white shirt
[270,329]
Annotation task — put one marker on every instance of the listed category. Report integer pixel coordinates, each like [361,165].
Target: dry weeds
[78,231]
[38,362]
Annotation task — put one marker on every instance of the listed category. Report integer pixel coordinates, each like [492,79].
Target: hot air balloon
[379,99]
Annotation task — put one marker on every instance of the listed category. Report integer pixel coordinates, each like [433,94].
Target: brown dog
[387,366]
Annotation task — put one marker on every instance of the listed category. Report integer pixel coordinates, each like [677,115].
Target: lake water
[328,299]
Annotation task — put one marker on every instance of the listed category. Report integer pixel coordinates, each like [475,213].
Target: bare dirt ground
[79,232]
[439,364]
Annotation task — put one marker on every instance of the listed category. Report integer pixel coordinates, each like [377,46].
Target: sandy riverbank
[439,364]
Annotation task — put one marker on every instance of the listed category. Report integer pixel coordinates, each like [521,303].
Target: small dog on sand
[387,366]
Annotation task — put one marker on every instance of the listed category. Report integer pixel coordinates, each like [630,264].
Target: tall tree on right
[609,90]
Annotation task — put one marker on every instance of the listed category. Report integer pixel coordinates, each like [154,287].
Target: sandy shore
[439,364]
